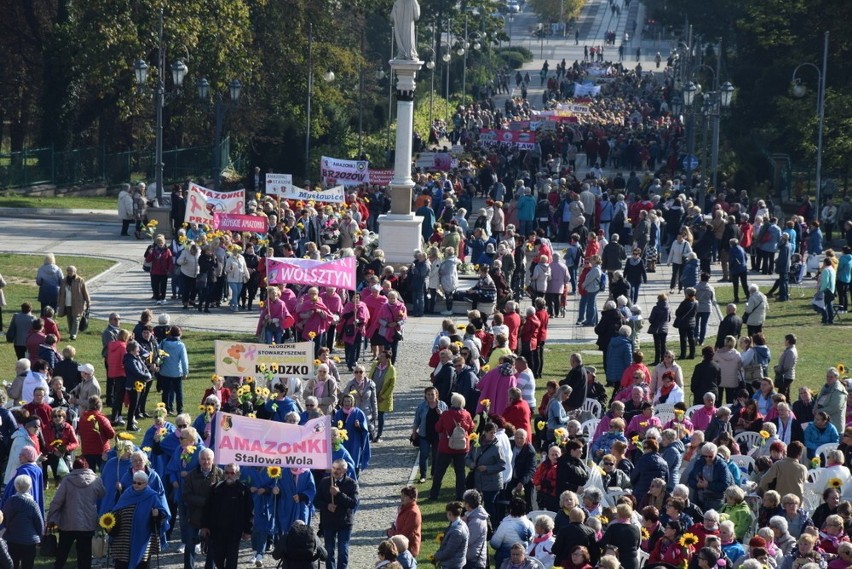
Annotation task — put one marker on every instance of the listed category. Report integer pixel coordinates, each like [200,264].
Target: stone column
[399,231]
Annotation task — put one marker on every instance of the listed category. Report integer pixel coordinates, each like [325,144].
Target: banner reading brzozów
[344,172]
[240,359]
[202,203]
[258,442]
[338,273]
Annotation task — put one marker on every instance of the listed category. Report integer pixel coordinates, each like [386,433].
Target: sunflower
[317,362]
[107,521]
[486,367]
[273,472]
[340,424]
[211,409]
[645,534]
[635,439]
[541,425]
[485,403]
[815,462]
[643,424]
[312,335]
[841,369]
[261,304]
[164,432]
[251,416]
[92,418]
[688,539]
[146,449]
[139,387]
[835,483]
[125,436]
[604,520]
[215,378]
[248,379]
[439,538]
[56,443]
[202,408]
[462,326]
[764,434]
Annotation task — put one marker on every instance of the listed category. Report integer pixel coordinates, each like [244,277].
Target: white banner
[240,359]
[575,108]
[344,172]
[337,194]
[202,203]
[277,184]
[586,89]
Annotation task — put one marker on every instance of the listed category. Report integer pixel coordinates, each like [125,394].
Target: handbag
[84,322]
[397,336]
[62,467]
[99,546]
[414,439]
[49,545]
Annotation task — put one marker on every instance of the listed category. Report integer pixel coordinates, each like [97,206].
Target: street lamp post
[179,71]
[799,91]
[221,108]
[511,21]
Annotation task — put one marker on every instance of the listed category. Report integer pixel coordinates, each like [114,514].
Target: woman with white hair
[754,313]
[24,523]
[619,355]
[448,278]
[542,542]
[142,519]
[324,388]
[48,279]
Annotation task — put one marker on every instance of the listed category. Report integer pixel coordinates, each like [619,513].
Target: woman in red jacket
[116,351]
[61,442]
[544,480]
[544,321]
[455,416]
[518,412]
[95,433]
[530,330]
[160,258]
[669,550]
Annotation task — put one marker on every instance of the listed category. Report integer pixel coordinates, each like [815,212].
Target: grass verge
[59,202]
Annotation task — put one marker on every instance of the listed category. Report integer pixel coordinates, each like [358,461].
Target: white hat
[86,368]
[164,319]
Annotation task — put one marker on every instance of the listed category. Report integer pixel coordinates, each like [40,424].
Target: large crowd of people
[565,473]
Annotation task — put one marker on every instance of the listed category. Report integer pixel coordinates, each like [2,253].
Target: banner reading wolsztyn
[202,203]
[240,359]
[338,273]
[258,442]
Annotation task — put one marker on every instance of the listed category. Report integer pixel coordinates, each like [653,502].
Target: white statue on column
[403,15]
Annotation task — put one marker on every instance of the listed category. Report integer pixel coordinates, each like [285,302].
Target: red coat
[115,358]
[224,395]
[530,331]
[519,415]
[50,327]
[409,523]
[671,553]
[513,323]
[42,411]
[94,440]
[66,435]
[546,473]
[544,320]
[445,425]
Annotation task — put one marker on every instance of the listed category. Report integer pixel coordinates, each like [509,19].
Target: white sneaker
[258,560]
[198,549]
[181,549]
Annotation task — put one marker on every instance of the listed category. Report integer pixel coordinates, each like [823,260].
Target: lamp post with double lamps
[221,108]
[799,91]
[328,77]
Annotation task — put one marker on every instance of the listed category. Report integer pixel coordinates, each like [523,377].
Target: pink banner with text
[258,442]
[239,222]
[338,273]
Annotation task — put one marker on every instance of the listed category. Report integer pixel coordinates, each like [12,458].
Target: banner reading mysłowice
[240,359]
[258,442]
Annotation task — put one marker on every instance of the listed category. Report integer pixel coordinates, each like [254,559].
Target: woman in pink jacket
[312,318]
[334,303]
[274,318]
[392,317]
[353,323]
[374,302]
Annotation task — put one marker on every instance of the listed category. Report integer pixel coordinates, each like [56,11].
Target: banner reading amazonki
[338,273]
[240,359]
[202,203]
[258,442]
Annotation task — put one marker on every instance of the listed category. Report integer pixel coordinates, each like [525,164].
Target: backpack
[458,438]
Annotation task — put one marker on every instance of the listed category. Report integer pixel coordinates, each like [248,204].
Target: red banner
[239,222]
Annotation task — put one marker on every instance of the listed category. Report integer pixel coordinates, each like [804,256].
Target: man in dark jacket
[465,383]
[571,471]
[578,382]
[730,325]
[523,468]
[649,466]
[573,534]
[444,376]
[225,531]
[197,488]
[336,500]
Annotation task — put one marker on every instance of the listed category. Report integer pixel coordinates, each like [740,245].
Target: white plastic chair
[665,417]
[813,475]
[643,558]
[663,408]
[589,427]
[744,462]
[823,450]
[692,410]
[750,439]
[533,516]
[802,284]
[591,406]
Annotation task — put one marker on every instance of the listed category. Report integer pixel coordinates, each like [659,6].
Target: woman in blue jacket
[173,370]
[820,432]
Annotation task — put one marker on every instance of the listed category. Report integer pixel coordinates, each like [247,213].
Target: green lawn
[60,202]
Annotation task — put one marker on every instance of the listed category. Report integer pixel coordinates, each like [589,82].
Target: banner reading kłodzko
[240,359]
[257,442]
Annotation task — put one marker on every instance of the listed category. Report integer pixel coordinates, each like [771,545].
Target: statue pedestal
[399,237]
[399,231]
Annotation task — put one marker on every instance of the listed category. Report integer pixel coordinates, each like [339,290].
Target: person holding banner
[312,318]
[357,426]
[363,389]
[274,318]
[278,408]
[294,493]
[337,500]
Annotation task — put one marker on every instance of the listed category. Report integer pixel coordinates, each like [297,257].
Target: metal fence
[36,166]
